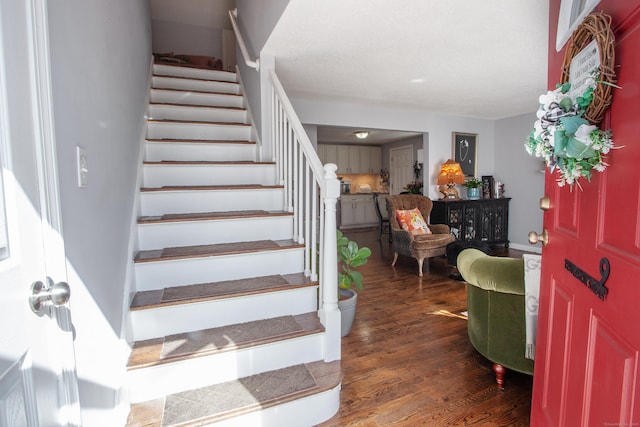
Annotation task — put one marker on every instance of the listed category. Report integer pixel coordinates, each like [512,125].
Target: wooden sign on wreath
[596,26]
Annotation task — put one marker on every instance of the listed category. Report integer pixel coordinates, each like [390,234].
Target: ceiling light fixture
[361,134]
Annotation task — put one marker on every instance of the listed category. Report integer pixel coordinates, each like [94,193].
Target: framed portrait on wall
[465,152]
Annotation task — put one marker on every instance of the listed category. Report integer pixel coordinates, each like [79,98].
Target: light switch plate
[83,171]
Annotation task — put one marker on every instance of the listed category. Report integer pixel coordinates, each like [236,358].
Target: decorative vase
[473,193]
[347,305]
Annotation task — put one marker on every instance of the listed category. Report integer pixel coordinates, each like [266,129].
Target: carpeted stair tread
[226,338]
[207,162]
[210,216]
[217,290]
[218,249]
[206,92]
[223,401]
[200,141]
[245,394]
[197,122]
[218,107]
[210,187]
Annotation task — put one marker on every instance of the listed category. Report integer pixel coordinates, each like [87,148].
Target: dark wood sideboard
[483,219]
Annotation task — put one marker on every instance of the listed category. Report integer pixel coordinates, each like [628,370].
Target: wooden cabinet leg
[500,371]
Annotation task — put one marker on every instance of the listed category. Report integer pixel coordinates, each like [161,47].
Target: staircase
[225,322]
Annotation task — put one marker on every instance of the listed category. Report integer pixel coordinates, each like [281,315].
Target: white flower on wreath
[550,97]
[583,134]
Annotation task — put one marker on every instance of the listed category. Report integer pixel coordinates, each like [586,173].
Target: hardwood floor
[408,360]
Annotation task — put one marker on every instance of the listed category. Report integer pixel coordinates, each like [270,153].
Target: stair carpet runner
[225,324]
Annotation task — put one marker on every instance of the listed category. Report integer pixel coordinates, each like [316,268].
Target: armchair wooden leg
[420,262]
[500,371]
[395,258]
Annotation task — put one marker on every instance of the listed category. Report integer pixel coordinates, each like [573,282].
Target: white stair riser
[194,73]
[195,201]
[160,82]
[307,411]
[158,151]
[192,233]
[197,113]
[229,174]
[158,381]
[152,323]
[201,131]
[161,274]
[194,98]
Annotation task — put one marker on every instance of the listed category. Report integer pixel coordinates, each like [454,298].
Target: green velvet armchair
[496,310]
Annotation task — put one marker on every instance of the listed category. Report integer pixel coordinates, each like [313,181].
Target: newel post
[329,312]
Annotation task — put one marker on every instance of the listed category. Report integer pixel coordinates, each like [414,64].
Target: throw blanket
[532,264]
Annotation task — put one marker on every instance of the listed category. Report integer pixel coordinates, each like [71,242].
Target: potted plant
[350,257]
[473,188]
[414,187]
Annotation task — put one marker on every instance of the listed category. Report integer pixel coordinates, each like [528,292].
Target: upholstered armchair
[418,246]
[496,309]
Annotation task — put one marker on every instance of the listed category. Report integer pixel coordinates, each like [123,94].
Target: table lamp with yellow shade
[450,175]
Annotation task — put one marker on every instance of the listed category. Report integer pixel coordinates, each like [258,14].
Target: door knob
[545,203]
[542,237]
[58,294]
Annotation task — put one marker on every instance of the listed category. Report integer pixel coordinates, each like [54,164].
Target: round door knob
[58,294]
[542,237]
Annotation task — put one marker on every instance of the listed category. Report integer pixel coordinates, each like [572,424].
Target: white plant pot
[347,309]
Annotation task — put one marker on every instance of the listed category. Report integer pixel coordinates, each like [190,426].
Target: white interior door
[37,365]
[400,168]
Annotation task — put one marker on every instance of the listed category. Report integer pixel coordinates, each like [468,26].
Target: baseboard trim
[526,248]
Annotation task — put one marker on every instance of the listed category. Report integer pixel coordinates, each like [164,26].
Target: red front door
[587,367]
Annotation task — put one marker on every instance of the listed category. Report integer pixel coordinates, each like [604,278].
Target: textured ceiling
[484,59]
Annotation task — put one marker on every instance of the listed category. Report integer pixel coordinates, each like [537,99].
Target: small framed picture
[488,185]
[465,152]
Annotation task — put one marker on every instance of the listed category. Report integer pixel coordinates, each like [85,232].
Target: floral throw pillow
[411,220]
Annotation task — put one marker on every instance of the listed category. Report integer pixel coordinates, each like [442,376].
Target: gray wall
[100,55]
[256,19]
[186,39]
[522,176]
[437,128]
[501,151]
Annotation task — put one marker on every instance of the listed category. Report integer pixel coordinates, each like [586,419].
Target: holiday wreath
[566,135]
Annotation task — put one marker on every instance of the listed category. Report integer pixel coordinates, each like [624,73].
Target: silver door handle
[58,294]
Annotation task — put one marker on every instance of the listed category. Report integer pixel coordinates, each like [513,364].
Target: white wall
[522,176]
[101,51]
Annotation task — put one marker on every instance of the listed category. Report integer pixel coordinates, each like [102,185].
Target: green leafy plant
[473,183]
[350,257]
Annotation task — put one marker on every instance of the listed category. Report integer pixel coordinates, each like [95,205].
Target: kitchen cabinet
[486,220]
[370,160]
[357,211]
[352,159]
